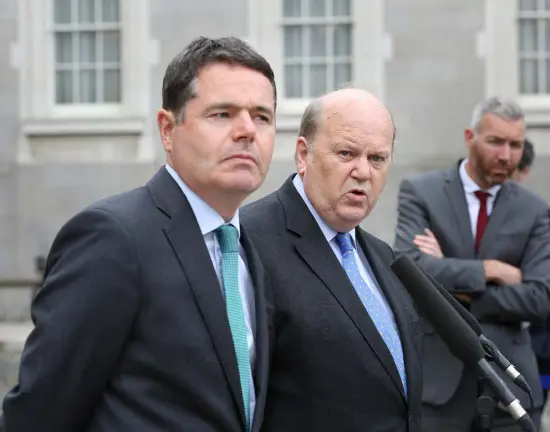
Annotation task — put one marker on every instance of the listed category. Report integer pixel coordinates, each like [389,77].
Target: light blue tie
[228,238]
[379,315]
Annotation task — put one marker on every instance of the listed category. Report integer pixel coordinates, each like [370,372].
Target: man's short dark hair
[528,156]
[178,85]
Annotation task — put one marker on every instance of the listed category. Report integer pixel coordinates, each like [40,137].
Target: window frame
[36,50]
[369,46]
[501,49]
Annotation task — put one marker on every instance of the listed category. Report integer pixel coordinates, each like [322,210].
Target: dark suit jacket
[131,326]
[517,233]
[331,370]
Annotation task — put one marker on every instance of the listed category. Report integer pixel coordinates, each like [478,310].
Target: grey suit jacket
[518,233]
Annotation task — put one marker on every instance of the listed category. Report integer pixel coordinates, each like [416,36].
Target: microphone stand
[485,407]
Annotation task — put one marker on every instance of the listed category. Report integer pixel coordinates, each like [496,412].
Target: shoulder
[119,212]
[263,213]
[427,179]
[525,197]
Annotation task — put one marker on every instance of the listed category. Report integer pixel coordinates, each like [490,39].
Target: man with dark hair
[525,163]
[152,316]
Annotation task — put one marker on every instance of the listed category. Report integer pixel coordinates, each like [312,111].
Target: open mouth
[358,192]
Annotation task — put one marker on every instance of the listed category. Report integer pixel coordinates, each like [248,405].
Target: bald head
[343,155]
[346,106]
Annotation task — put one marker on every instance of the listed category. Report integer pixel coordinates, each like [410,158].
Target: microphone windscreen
[455,333]
[466,316]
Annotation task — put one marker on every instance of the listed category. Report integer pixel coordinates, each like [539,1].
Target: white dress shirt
[470,187]
[360,257]
[209,221]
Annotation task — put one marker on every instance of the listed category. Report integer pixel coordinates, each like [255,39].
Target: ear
[166,123]
[469,137]
[301,155]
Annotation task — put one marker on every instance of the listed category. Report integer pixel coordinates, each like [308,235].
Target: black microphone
[491,349]
[457,335]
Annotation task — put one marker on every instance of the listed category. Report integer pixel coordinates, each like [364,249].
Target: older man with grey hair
[486,240]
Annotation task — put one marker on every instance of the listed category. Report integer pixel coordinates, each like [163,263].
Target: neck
[225,204]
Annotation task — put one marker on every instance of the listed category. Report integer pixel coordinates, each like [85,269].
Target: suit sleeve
[530,300]
[82,315]
[456,275]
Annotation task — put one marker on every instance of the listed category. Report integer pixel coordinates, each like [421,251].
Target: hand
[501,273]
[463,297]
[428,243]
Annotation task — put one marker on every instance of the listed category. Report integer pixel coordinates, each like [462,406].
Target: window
[317,46]
[314,46]
[87,51]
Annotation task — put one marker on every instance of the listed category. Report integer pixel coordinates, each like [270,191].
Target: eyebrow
[230,106]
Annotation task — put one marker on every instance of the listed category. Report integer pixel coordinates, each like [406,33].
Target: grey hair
[504,108]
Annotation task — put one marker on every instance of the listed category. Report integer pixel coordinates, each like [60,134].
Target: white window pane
[341,7]
[317,8]
[110,11]
[64,87]
[342,74]
[88,86]
[528,42]
[527,5]
[86,11]
[62,11]
[293,81]
[547,65]
[528,76]
[63,48]
[292,8]
[318,41]
[293,41]
[546,41]
[87,47]
[342,40]
[111,86]
[317,80]
[547,4]
[111,46]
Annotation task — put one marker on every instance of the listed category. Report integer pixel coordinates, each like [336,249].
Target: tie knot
[482,196]
[228,238]
[344,242]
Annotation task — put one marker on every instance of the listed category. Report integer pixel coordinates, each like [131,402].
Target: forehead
[240,85]
[501,128]
[361,127]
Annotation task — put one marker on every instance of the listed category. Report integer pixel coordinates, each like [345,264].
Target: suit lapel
[258,276]
[454,190]
[183,234]
[314,249]
[388,284]
[496,219]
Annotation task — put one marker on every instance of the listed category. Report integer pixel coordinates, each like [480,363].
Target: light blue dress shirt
[209,220]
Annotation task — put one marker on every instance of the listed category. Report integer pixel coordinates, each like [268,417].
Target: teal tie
[228,238]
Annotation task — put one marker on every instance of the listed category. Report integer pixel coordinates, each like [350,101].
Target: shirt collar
[208,219]
[328,231]
[470,186]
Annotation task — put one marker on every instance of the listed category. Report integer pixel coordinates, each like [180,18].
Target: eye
[262,118]
[221,114]
[344,153]
[378,159]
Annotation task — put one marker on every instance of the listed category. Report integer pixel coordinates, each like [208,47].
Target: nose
[243,127]
[505,153]
[361,172]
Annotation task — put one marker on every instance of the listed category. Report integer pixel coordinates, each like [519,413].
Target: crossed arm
[497,290]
